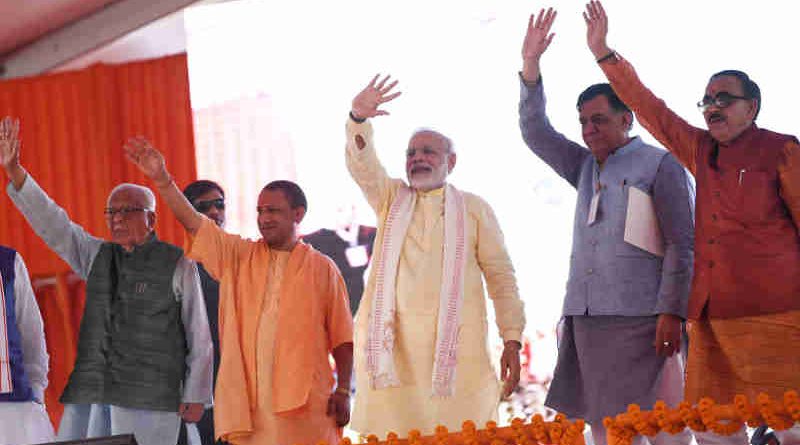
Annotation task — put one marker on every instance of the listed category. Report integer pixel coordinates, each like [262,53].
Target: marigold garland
[707,415]
[538,432]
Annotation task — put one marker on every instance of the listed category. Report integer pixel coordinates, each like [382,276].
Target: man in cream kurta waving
[421,353]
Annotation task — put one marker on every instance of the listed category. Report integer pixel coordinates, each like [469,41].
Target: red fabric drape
[73,126]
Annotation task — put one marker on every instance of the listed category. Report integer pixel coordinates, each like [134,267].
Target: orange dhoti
[743,355]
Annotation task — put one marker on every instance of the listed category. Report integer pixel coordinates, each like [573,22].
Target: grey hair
[150,198]
[451,148]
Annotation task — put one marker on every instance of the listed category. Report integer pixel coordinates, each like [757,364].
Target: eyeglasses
[204,206]
[123,211]
[721,100]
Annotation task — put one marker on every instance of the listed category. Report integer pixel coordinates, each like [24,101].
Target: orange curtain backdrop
[73,126]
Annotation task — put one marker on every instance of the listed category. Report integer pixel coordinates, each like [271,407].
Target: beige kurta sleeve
[498,272]
[366,169]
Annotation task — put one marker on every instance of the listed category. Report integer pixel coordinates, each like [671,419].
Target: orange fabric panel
[73,126]
[58,298]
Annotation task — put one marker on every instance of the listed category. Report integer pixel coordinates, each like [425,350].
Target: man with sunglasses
[625,304]
[144,358]
[208,198]
[744,309]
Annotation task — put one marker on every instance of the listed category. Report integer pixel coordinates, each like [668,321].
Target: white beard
[428,181]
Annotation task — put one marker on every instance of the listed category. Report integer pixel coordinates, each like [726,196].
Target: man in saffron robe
[422,356]
[283,310]
[744,309]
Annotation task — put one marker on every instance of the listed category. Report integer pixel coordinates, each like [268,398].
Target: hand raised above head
[538,37]
[366,103]
[9,142]
[149,160]
[596,29]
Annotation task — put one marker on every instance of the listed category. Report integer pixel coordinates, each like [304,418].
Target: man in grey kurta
[144,351]
[624,304]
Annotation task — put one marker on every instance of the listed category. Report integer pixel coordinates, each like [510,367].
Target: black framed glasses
[721,100]
[123,211]
[204,206]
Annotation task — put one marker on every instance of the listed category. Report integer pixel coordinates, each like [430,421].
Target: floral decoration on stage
[707,415]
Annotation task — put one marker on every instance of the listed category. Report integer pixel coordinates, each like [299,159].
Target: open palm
[149,160]
[596,28]
[9,142]
[366,103]
[538,37]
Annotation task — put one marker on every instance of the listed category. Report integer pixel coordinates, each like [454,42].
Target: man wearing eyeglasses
[208,198]
[144,357]
[625,301]
[744,309]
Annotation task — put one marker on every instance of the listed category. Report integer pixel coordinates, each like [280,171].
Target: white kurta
[34,351]
[419,274]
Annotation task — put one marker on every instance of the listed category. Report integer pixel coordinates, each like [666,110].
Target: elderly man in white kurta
[421,353]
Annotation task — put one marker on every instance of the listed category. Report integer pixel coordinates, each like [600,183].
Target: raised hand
[149,160]
[366,103]
[9,143]
[538,37]
[596,28]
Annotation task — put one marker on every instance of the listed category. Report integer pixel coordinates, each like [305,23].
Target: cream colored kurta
[477,389]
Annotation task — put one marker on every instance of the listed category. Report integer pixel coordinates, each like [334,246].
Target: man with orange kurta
[744,308]
[283,308]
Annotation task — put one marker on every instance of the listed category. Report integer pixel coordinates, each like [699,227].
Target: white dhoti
[23,423]
[88,421]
